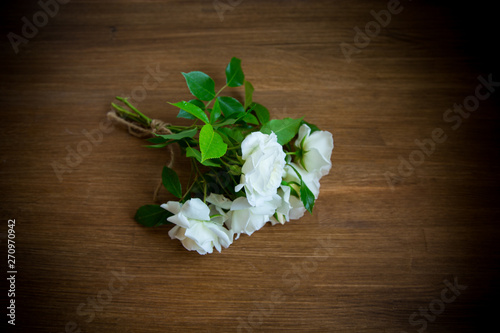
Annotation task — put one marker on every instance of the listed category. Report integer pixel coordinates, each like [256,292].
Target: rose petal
[196,209]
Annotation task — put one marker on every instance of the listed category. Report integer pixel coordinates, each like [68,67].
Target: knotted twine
[156,127]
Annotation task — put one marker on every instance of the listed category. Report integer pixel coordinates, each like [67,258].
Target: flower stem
[141,115]
[206,106]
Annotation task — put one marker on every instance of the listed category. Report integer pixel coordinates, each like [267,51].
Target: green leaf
[307,197]
[248,94]
[224,136]
[211,143]
[216,112]
[198,103]
[181,135]
[250,119]
[262,113]
[162,140]
[285,129]
[234,73]
[200,85]
[191,152]
[152,216]
[171,181]
[233,133]
[230,106]
[156,140]
[192,109]
[184,114]
[225,122]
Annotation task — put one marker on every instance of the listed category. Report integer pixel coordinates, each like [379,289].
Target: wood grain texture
[368,258]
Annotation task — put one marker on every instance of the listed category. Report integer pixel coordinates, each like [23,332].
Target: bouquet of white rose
[247,170]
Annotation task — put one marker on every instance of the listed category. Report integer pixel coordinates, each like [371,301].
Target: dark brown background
[386,252]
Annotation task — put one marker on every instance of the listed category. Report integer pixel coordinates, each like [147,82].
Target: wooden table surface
[404,236]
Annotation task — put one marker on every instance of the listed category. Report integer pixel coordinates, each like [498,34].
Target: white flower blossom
[316,149]
[247,219]
[263,168]
[290,208]
[195,229]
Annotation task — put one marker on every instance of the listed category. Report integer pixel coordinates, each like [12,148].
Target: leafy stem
[134,109]
[216,95]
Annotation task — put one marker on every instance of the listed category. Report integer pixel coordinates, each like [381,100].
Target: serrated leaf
[171,181]
[234,73]
[191,152]
[200,85]
[248,94]
[262,113]
[152,216]
[307,197]
[192,109]
[216,112]
[285,129]
[211,143]
[186,115]
[231,107]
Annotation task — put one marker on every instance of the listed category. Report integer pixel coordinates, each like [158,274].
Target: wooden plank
[375,251]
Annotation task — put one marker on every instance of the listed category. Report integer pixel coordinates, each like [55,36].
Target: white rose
[283,210]
[316,150]
[290,208]
[218,204]
[297,209]
[263,168]
[194,228]
[220,201]
[246,218]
